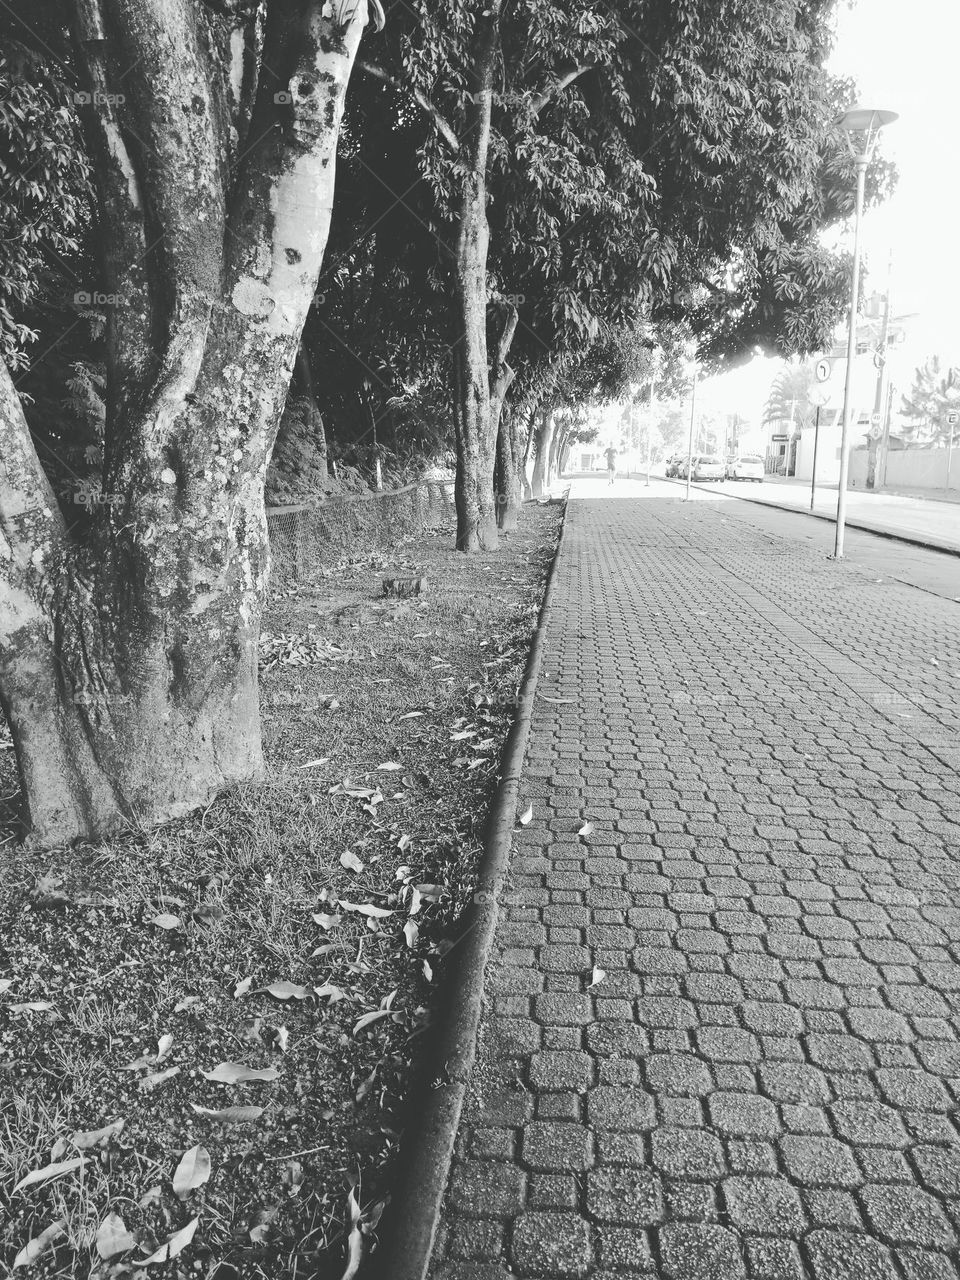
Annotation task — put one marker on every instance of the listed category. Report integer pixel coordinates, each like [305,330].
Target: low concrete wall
[922,468]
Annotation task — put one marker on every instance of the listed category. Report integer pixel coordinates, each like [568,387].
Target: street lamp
[862,126]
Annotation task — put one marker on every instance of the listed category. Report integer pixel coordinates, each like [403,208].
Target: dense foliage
[656,167]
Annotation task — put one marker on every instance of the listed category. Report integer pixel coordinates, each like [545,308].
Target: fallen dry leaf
[285,991]
[229,1115]
[173,1246]
[83,1141]
[33,1248]
[113,1236]
[237,1073]
[192,1171]
[56,1170]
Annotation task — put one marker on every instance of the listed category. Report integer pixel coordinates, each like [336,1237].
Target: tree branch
[506,337]
[558,86]
[163,158]
[421,99]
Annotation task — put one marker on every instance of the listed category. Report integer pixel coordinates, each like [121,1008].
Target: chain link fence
[306,538]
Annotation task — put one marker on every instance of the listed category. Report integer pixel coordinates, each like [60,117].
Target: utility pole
[693,411]
[649,433]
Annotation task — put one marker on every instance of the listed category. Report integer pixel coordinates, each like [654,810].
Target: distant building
[879,378]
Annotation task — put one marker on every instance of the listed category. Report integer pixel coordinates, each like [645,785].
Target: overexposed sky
[904,58]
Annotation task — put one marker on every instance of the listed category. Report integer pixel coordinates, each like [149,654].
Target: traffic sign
[820,396]
[823,370]
[876,419]
[953,418]
[876,431]
[779,439]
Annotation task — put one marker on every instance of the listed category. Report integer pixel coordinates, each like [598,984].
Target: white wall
[922,469]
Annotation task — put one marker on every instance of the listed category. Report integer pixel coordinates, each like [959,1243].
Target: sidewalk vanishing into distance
[721,1032]
[931,521]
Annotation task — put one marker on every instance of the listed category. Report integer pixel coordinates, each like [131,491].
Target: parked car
[707,466]
[749,467]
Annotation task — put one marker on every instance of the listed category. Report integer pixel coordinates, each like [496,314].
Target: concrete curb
[913,539]
[412,1219]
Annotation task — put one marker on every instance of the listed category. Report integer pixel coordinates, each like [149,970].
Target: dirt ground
[207,1032]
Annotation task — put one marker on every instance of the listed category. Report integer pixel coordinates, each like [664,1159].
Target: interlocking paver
[766,1083]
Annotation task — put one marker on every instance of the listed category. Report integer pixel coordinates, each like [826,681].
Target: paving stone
[688,1153]
[624,1249]
[552,1244]
[880,1025]
[678,1073]
[700,1252]
[626,1039]
[476,1238]
[918,1264]
[820,1162]
[561,1070]
[485,1188]
[614,1107]
[794,1082]
[842,1255]
[563,1009]
[774,1260]
[939,1168]
[907,1215]
[909,1089]
[869,1122]
[628,1196]
[744,1113]
[556,1146]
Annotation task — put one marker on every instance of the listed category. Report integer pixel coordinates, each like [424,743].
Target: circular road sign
[823,370]
[819,396]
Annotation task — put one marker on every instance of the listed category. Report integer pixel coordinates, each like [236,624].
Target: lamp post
[693,417]
[862,126]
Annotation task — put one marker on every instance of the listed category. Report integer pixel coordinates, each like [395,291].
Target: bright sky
[903,57]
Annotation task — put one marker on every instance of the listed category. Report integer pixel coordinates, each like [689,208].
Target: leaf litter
[173,952]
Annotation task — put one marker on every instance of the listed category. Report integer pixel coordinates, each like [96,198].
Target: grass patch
[130,971]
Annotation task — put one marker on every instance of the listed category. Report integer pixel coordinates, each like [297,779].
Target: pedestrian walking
[611,456]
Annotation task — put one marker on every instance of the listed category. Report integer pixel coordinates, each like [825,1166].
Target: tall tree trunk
[506,480]
[509,497]
[552,456]
[476,433]
[528,451]
[129,667]
[543,444]
[307,388]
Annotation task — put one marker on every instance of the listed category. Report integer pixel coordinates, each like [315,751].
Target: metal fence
[306,538]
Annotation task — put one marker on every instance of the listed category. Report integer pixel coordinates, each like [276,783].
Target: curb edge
[413,1215]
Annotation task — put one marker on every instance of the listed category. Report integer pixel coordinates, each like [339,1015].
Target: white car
[746,468]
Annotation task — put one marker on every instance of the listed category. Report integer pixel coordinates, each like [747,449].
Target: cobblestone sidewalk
[765,1082]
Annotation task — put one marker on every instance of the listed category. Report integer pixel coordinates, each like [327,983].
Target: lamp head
[862,126]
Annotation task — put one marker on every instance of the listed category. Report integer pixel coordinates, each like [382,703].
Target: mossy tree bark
[129,655]
[476,431]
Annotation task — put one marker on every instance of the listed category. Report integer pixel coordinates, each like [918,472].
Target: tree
[933,395]
[788,401]
[128,673]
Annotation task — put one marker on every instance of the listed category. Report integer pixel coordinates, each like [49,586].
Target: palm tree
[788,401]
